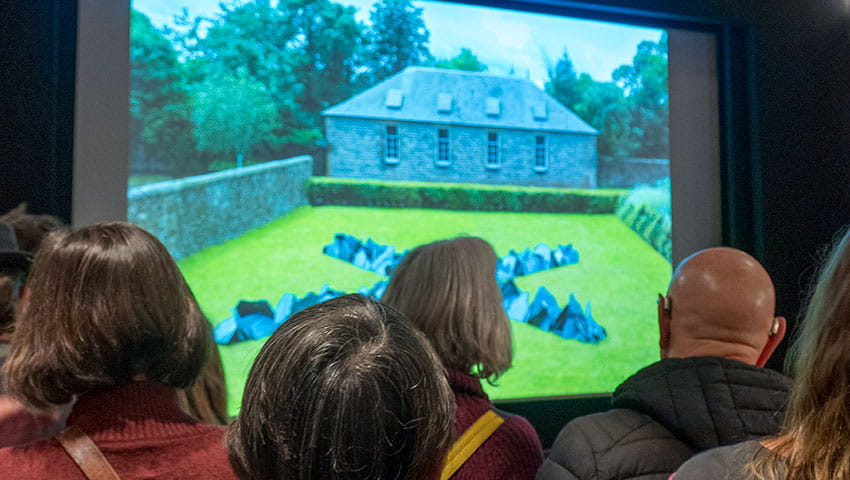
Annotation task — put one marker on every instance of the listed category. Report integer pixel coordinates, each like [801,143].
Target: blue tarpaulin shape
[254,320]
[368,255]
[529,261]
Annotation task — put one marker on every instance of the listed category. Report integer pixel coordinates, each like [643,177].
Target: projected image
[288,152]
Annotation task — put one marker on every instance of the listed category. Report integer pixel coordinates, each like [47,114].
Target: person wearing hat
[17,426]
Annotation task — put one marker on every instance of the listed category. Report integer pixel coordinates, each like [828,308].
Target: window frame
[441,143]
[541,150]
[392,143]
[493,161]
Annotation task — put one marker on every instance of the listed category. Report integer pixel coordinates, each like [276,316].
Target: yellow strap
[468,443]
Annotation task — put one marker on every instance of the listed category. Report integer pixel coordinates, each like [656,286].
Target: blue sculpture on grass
[255,320]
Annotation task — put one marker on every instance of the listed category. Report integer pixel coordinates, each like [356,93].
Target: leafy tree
[465,60]
[397,38]
[233,114]
[601,104]
[160,114]
[563,82]
[328,44]
[645,83]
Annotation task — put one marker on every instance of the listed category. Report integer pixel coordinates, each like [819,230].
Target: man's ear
[777,333]
[664,317]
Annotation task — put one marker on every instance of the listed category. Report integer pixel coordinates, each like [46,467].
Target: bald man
[717,329]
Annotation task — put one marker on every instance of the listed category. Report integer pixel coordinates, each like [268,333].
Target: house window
[443,147]
[493,150]
[540,161]
[391,145]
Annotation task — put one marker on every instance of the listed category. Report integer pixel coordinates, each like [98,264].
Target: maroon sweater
[141,432]
[512,452]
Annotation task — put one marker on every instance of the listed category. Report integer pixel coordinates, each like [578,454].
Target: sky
[504,40]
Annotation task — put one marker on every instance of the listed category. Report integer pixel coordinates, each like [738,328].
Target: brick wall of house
[357,149]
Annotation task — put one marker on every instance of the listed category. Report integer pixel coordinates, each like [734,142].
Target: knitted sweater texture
[512,452]
[141,431]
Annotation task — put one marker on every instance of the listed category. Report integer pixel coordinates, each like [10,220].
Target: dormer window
[494,107]
[444,103]
[395,99]
[538,110]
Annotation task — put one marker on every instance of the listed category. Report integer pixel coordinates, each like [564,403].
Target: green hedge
[651,225]
[460,196]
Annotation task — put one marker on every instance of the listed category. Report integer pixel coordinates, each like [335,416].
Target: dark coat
[666,413]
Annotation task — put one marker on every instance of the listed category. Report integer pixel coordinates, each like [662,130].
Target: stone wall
[629,172]
[357,147]
[190,214]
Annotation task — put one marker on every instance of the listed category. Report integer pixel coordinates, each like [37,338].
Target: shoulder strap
[470,441]
[86,455]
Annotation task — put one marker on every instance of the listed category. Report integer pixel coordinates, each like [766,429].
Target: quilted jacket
[666,413]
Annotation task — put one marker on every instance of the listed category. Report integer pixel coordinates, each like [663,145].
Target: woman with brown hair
[814,442]
[109,323]
[448,289]
[345,390]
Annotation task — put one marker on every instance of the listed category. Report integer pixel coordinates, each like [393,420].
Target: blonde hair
[448,289]
[814,443]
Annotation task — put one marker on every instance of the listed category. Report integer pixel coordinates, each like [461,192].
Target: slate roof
[521,104]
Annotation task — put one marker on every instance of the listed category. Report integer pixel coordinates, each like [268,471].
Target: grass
[618,273]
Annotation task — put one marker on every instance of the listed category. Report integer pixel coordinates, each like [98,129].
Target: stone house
[430,124]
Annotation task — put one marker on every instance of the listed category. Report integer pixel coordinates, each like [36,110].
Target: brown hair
[105,304]
[206,399]
[347,389]
[448,289]
[814,443]
[30,229]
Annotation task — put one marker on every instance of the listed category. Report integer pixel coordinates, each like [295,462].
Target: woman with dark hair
[448,290]
[814,441]
[346,389]
[109,322]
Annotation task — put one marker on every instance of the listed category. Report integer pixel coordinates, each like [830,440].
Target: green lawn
[617,272]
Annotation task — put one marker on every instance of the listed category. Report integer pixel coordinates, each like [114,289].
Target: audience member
[206,399]
[17,426]
[30,228]
[14,264]
[109,321]
[717,329]
[448,289]
[347,389]
[814,443]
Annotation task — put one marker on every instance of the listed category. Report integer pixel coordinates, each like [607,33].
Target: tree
[397,38]
[601,104]
[645,84]
[563,81]
[233,114]
[328,43]
[160,112]
[465,60]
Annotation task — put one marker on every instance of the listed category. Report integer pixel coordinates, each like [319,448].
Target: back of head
[30,229]
[347,389]
[721,303]
[106,305]
[816,431]
[448,289]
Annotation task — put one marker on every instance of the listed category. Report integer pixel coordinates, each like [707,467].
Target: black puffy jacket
[666,413]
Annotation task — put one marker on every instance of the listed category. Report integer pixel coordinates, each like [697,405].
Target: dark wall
[785,67]
[36,105]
